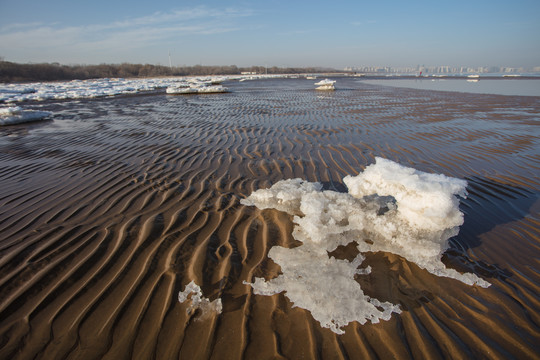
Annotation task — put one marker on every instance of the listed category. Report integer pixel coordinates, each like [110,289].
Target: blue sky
[274,33]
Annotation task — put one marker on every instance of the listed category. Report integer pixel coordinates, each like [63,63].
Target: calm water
[522,87]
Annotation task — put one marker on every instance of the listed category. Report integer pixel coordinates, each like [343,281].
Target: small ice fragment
[193,293]
[325,84]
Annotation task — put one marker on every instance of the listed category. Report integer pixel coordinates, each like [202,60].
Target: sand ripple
[111,209]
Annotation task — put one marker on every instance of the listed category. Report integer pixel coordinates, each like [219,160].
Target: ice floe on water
[84,89]
[93,88]
[326,84]
[78,89]
[195,88]
[193,293]
[104,87]
[15,115]
[389,207]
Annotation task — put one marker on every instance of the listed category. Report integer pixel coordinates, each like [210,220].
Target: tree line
[15,72]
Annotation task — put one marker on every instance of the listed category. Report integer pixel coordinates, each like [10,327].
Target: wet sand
[112,208]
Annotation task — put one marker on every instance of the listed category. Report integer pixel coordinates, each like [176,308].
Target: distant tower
[170,63]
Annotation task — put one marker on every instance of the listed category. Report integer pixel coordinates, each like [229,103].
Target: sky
[334,34]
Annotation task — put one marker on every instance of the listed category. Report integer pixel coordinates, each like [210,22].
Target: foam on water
[388,208]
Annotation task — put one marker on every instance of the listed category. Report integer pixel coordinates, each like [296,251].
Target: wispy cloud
[184,16]
[7,28]
[136,32]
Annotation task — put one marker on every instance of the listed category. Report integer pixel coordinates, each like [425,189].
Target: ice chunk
[325,286]
[193,293]
[195,88]
[283,196]
[16,115]
[389,208]
[325,84]
[425,200]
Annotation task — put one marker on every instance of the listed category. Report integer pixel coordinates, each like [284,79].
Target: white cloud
[130,33]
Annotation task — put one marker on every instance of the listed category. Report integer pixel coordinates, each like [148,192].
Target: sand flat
[111,208]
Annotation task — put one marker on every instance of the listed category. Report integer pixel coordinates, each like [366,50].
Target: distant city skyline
[285,34]
[443,69]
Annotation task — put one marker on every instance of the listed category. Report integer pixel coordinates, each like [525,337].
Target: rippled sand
[112,208]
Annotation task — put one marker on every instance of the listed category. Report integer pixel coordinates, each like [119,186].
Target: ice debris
[193,293]
[326,84]
[15,115]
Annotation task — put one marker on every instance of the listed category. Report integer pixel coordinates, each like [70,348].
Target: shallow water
[521,87]
[114,206]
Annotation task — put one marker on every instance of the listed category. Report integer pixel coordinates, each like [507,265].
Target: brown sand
[111,209]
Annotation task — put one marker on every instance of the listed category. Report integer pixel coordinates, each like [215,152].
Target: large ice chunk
[389,207]
[16,115]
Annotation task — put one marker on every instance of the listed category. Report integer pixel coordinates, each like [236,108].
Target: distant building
[440,69]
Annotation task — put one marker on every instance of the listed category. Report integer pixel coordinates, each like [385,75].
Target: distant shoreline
[16,73]
[11,72]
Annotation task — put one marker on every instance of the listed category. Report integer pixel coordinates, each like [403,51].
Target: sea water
[521,87]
